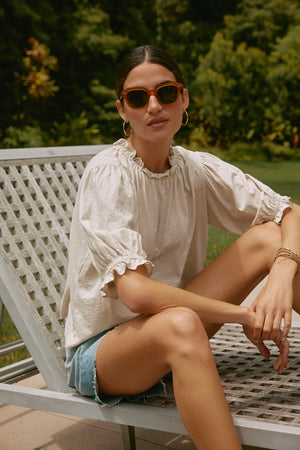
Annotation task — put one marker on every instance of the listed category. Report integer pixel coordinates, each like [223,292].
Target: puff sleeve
[108,215]
[235,200]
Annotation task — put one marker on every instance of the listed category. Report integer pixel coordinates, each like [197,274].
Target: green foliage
[75,131]
[232,89]
[255,151]
[240,60]
[283,117]
[28,136]
[39,63]
[101,107]
[10,334]
[246,87]
[260,22]
[93,36]
[259,151]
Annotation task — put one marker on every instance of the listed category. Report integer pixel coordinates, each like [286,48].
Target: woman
[137,302]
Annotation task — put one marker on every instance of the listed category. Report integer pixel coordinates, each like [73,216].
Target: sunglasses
[139,97]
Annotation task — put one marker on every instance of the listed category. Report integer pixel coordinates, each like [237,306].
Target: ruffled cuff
[283,203]
[119,266]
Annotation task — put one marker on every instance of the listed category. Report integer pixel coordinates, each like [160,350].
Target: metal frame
[60,399]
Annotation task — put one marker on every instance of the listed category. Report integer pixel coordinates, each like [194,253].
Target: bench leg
[128,434]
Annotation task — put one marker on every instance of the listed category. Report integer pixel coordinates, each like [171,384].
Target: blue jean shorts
[81,371]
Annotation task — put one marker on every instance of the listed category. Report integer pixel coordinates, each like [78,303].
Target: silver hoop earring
[186,121]
[124,129]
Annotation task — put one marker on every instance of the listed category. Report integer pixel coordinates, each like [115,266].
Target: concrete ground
[26,429]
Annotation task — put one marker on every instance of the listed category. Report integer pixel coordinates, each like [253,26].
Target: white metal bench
[37,193]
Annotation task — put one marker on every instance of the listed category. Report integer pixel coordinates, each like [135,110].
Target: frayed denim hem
[81,370]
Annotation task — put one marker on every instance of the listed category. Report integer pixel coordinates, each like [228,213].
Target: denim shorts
[81,371]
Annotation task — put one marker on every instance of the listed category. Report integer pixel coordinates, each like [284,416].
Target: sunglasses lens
[167,94]
[137,98]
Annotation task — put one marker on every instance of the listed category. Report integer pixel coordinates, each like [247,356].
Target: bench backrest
[37,194]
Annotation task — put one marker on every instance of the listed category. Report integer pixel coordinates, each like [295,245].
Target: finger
[268,328]
[258,325]
[281,363]
[287,323]
[265,352]
[275,327]
[284,346]
[252,307]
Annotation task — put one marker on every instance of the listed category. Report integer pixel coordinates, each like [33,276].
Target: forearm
[290,239]
[275,301]
[290,228]
[146,296]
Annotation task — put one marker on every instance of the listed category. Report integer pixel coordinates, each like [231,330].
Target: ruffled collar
[128,152]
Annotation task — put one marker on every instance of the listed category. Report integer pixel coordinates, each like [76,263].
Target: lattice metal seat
[37,193]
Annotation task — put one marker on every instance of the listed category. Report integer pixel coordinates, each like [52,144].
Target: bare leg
[235,273]
[138,353]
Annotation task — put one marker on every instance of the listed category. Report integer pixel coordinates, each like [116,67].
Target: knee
[184,334]
[265,238]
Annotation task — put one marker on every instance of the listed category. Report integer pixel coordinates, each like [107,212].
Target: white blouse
[126,216]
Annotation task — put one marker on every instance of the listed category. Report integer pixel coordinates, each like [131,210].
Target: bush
[256,151]
[28,136]
[75,131]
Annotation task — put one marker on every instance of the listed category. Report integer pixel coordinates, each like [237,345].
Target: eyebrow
[157,85]
[165,82]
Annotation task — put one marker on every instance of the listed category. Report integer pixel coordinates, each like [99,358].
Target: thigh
[131,359]
[236,271]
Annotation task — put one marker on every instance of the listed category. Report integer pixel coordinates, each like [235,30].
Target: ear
[121,111]
[185,99]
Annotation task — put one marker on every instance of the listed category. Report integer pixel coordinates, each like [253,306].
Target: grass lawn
[283,177]
[8,333]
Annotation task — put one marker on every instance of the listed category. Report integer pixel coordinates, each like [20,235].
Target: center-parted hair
[146,53]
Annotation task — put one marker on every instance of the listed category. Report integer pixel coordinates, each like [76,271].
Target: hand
[272,305]
[281,342]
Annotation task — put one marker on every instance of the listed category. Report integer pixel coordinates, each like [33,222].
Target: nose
[153,104]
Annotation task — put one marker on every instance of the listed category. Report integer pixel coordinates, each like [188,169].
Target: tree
[260,22]
[232,91]
[85,53]
[39,64]
[246,93]
[283,115]
[239,58]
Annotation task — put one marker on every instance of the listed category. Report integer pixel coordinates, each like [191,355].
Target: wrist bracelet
[288,253]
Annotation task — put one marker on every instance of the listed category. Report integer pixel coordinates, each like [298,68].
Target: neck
[155,156]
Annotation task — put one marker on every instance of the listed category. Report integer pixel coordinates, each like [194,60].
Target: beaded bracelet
[288,253]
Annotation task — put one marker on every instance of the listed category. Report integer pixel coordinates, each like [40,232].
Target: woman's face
[156,122]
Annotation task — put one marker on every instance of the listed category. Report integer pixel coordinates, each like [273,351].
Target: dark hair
[148,53]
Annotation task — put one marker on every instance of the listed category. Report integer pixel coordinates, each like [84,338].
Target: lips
[157,123]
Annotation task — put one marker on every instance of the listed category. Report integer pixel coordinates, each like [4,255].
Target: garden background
[240,60]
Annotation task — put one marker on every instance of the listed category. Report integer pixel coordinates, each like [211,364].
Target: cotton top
[126,216]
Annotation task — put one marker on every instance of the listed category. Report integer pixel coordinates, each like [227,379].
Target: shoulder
[106,174]
[108,162]
[201,161]
[105,157]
